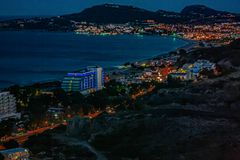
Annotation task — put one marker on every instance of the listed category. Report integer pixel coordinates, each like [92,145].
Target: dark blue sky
[59,7]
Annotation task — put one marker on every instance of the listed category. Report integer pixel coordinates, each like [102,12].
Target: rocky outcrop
[78,126]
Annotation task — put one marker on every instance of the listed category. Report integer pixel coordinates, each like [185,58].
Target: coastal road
[22,138]
[141,93]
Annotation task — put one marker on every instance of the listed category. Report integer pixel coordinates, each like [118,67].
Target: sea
[5,18]
[27,57]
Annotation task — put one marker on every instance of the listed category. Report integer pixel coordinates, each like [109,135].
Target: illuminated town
[142,109]
[218,32]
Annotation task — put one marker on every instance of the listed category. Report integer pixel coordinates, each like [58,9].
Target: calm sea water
[28,57]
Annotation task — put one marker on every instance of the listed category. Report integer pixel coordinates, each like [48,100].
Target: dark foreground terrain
[196,121]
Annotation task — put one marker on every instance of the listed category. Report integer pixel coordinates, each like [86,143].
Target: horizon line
[73,12]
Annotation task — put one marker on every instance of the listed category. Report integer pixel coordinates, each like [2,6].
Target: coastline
[189,45]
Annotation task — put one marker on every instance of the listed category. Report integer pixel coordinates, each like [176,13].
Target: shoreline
[189,45]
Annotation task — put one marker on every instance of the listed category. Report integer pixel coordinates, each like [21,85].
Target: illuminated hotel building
[8,106]
[85,81]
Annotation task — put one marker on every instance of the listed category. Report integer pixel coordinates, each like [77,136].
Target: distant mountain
[201,10]
[168,14]
[120,14]
[4,18]
[112,13]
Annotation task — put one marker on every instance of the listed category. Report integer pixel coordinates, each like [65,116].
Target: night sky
[59,7]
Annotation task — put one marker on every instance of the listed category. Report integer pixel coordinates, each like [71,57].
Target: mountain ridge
[199,10]
[121,14]
[115,13]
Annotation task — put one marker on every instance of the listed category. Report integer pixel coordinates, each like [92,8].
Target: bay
[34,56]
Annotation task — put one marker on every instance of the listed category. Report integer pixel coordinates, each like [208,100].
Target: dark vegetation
[1,157]
[191,121]
[109,13]
[229,53]
[47,146]
[11,144]
[6,127]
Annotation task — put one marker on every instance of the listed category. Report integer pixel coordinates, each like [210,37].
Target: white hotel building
[8,106]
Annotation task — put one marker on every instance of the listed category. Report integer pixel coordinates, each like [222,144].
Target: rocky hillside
[228,56]
[202,11]
[112,13]
[197,121]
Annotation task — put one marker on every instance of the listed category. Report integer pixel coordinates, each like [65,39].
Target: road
[141,93]
[22,138]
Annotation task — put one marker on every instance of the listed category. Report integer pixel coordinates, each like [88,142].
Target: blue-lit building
[16,154]
[87,80]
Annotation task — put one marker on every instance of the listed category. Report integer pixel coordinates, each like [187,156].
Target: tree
[11,144]
[127,64]
[139,105]
[60,94]
[38,106]
[1,157]
[201,44]
[77,98]
[235,44]
[173,53]
[173,83]
[15,90]
[208,73]
[182,52]
[6,127]
[40,143]
[98,99]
